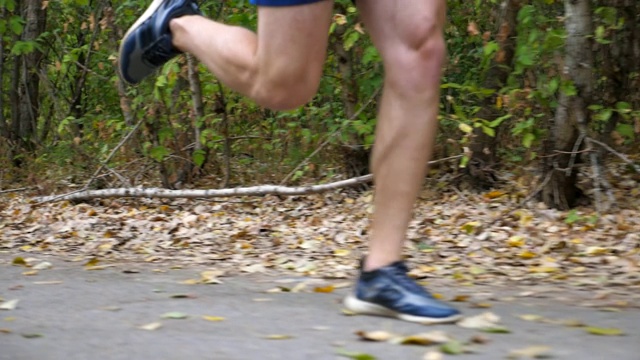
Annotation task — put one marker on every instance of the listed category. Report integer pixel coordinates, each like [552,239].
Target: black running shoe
[147,44]
[388,291]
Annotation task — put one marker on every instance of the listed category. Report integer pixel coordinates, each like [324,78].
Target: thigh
[291,38]
[395,25]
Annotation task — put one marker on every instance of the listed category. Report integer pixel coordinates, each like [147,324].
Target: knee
[288,90]
[414,64]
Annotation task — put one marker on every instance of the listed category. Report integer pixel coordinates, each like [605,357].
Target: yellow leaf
[604,331]
[499,102]
[26,247]
[437,296]
[19,261]
[30,273]
[465,128]
[347,312]
[213,318]
[494,194]
[543,269]
[93,262]
[190,282]
[470,226]
[516,241]
[341,252]
[460,298]
[324,289]
[527,254]
[596,250]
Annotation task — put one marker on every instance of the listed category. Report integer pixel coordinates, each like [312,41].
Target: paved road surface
[96,315]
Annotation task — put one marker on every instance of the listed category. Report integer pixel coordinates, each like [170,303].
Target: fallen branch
[191,194]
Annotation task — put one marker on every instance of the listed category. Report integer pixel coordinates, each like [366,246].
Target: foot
[388,291]
[147,44]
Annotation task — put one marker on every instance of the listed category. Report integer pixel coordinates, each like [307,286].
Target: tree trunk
[565,138]
[483,146]
[3,124]
[29,89]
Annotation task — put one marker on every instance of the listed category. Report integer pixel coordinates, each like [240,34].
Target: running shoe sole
[362,307]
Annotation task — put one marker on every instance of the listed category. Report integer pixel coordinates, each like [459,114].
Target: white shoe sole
[362,307]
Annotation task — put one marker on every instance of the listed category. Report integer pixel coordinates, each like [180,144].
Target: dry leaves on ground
[459,236]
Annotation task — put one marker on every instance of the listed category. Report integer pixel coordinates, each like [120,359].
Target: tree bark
[3,124]
[565,137]
[29,89]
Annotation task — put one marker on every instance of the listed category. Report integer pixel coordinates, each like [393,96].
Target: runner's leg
[409,36]
[279,67]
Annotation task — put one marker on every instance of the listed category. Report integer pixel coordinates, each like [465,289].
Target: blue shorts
[282,2]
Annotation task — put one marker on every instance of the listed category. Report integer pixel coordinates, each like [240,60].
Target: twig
[619,155]
[526,200]
[18,189]
[574,153]
[330,136]
[103,165]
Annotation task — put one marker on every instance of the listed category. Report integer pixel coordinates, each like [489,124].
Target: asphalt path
[68,312]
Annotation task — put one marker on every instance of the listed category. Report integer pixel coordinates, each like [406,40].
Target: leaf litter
[475,239]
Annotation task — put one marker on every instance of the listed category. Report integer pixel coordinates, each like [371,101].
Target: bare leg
[279,68]
[408,34]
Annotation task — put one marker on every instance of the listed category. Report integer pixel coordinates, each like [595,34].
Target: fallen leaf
[481,305]
[426,339]
[92,262]
[19,261]
[376,336]
[433,355]
[213,318]
[531,317]
[183,296]
[355,355]
[531,352]
[151,326]
[348,312]
[278,337]
[5,331]
[487,321]
[43,266]
[461,298]
[453,347]
[190,282]
[9,319]
[32,335]
[9,304]
[604,331]
[211,277]
[111,308]
[53,282]
[324,289]
[479,339]
[175,315]
[30,273]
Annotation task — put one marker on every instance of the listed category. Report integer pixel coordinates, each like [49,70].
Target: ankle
[372,263]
